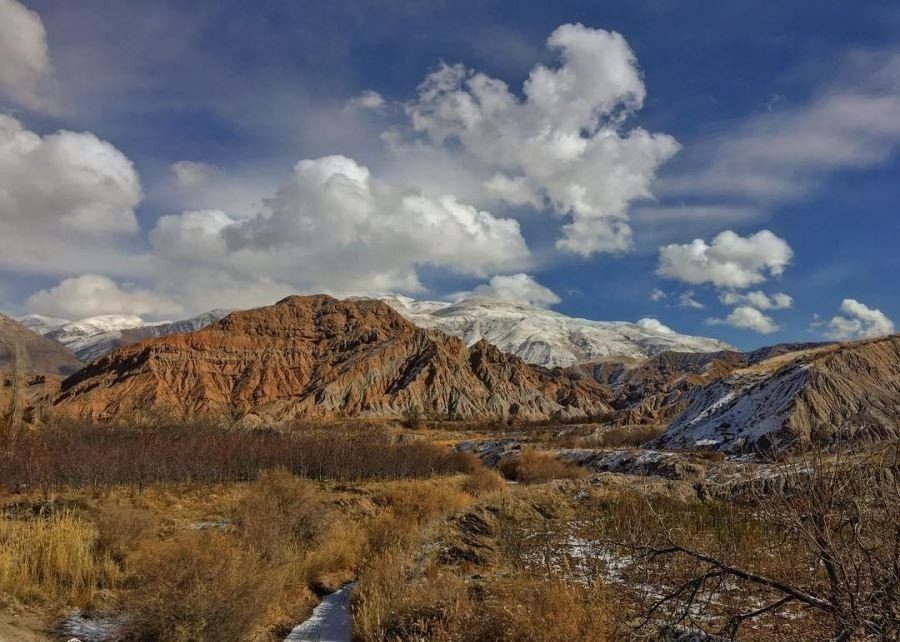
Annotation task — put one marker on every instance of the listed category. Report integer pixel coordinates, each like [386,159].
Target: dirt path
[331,621]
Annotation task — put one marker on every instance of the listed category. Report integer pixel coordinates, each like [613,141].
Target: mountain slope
[42,356]
[544,337]
[841,392]
[89,338]
[92,337]
[316,356]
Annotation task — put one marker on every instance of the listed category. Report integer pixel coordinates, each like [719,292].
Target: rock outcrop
[316,356]
[825,395]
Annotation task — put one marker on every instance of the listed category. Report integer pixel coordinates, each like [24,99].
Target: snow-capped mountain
[545,337]
[41,323]
[93,337]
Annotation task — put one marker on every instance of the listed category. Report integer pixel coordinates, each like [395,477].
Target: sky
[725,169]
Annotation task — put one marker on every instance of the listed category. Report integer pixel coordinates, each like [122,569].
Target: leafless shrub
[827,546]
[101,456]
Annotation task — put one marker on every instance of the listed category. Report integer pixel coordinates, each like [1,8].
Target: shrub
[200,588]
[534,466]
[627,437]
[483,481]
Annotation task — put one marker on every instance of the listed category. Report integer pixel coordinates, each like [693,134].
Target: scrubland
[200,533]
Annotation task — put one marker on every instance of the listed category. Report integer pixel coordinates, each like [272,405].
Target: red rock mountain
[316,356]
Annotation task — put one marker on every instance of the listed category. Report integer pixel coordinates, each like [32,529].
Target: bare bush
[827,546]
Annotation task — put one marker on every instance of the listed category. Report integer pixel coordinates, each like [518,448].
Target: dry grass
[483,481]
[200,587]
[534,466]
[528,608]
[205,561]
[54,559]
[416,592]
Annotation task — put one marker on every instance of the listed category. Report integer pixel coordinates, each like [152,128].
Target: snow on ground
[331,620]
[737,411]
[85,627]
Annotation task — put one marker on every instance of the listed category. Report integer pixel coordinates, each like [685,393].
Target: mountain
[41,323]
[89,338]
[42,356]
[655,390]
[823,395]
[94,336]
[315,356]
[133,335]
[544,337]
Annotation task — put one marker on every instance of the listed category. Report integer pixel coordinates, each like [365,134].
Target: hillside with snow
[95,336]
[838,393]
[545,337]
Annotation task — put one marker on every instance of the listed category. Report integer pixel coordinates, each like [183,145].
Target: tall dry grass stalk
[53,559]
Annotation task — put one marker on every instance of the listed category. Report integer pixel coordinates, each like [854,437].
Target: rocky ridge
[827,395]
[315,356]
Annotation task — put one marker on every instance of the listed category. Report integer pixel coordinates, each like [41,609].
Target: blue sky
[759,116]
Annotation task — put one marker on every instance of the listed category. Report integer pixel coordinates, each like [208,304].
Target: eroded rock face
[317,356]
[827,395]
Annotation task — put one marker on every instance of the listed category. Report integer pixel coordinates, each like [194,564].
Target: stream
[331,620]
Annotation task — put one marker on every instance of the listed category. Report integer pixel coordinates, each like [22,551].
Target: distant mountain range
[315,356]
[544,337]
[95,336]
[537,335]
[479,358]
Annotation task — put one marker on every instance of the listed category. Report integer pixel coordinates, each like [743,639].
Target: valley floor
[450,534]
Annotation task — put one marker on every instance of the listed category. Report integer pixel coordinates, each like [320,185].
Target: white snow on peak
[41,323]
[105,323]
[545,337]
[93,337]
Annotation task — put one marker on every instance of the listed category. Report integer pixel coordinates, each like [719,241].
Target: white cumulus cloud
[759,300]
[334,227]
[858,322]
[64,198]
[686,300]
[729,261]
[748,318]
[521,288]
[565,141]
[24,57]
[655,325]
[92,294]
